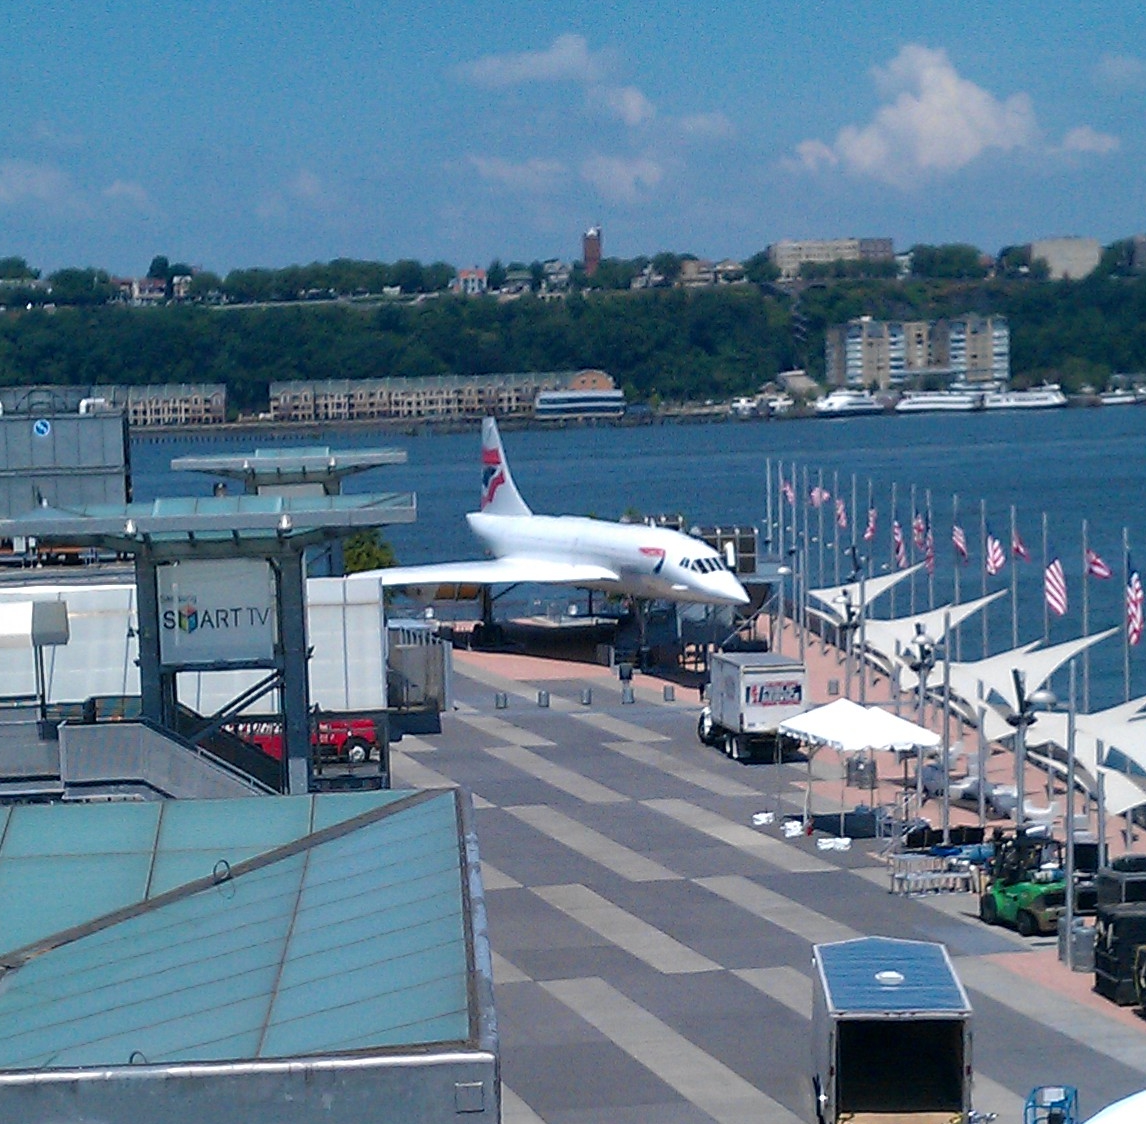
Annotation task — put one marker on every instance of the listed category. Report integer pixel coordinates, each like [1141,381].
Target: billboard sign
[216,612]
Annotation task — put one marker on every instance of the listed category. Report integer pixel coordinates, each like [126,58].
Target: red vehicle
[344,739]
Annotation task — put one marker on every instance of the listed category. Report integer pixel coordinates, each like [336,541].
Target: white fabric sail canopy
[851,728]
[836,597]
[882,636]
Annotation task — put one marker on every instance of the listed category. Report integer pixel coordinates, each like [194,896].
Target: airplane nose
[728,587]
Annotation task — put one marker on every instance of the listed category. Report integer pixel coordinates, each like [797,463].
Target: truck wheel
[356,750]
[704,727]
[1026,923]
[988,910]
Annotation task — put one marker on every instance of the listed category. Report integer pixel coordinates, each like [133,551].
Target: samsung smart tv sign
[216,612]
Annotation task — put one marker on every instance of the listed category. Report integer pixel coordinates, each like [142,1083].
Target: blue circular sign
[41,427]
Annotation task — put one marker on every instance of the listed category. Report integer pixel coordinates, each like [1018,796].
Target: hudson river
[1072,464]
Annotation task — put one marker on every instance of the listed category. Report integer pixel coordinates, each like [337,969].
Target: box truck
[749,695]
[891,1034]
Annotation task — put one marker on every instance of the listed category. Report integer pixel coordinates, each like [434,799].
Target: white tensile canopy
[882,636]
[850,728]
[835,596]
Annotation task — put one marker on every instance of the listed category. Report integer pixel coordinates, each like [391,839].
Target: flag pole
[852,528]
[1046,603]
[957,564]
[1085,621]
[820,529]
[929,547]
[836,525]
[1014,584]
[983,544]
[768,541]
[913,549]
[1126,624]
[891,525]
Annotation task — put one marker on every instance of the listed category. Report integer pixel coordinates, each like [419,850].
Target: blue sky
[239,134]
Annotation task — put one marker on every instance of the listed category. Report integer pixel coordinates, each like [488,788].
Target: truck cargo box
[750,694]
[891,1033]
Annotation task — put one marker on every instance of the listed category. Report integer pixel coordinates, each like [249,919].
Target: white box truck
[891,1034]
[749,695]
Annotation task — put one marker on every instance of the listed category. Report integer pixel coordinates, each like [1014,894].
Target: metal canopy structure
[290,467]
[186,532]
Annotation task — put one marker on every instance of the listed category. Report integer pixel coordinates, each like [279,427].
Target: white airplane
[626,558]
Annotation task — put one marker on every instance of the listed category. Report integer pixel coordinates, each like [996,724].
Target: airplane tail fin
[499,494]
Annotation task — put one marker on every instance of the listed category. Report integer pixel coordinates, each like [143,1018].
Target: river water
[1071,464]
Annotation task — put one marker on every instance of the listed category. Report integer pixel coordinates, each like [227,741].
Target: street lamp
[1022,719]
[921,655]
[853,619]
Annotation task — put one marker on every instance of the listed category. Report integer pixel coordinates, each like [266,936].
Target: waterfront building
[441,397]
[888,354]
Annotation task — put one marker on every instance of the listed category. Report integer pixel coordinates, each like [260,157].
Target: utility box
[750,694]
[891,1033]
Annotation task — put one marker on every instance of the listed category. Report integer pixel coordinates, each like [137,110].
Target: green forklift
[1026,883]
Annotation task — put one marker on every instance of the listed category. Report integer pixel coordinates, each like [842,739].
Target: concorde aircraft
[626,558]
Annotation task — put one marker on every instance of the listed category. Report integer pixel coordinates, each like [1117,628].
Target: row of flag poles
[790,520]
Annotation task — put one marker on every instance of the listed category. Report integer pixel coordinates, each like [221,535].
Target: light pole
[1022,719]
[921,656]
[1070,778]
[851,621]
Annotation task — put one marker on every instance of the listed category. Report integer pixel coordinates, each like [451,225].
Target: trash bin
[1082,944]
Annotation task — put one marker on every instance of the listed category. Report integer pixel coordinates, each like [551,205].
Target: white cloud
[621,179]
[1084,139]
[1124,72]
[534,176]
[626,103]
[706,125]
[567,60]
[21,181]
[936,122]
[128,191]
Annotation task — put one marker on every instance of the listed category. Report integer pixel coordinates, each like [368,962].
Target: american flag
[1133,604]
[1018,547]
[818,496]
[1095,567]
[929,549]
[1054,586]
[959,541]
[898,545]
[788,491]
[918,530]
[869,530]
[841,515]
[996,559]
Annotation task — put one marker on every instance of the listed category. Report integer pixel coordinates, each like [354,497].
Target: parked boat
[1119,398]
[939,401]
[848,403]
[1043,397]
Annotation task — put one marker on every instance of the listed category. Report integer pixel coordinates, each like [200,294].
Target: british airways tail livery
[626,558]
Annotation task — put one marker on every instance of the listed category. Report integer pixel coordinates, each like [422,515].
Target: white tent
[849,728]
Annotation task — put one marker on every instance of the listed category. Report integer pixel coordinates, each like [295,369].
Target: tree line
[665,344]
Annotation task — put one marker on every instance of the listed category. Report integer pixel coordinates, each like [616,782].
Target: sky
[238,134]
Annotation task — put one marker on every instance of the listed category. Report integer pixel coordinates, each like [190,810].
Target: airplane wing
[494,571]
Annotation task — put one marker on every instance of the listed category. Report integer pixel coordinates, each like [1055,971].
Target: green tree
[495,275]
[17,269]
[367,550]
[160,268]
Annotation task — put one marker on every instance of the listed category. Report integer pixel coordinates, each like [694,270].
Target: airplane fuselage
[651,562]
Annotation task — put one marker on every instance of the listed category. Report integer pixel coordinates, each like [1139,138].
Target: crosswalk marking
[697,1076]
[592,844]
[777,909]
[687,771]
[640,939]
[567,780]
[619,728]
[742,837]
[502,731]
[514,1110]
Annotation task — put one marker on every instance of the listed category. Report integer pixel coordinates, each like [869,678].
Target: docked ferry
[1044,397]
[569,404]
[939,401]
[844,403]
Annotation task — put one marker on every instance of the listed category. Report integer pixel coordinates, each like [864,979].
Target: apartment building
[788,256]
[889,354]
[444,397]
[166,404]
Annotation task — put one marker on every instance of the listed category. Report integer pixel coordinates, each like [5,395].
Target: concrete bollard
[627,695]
[586,696]
[670,693]
[542,698]
[501,700]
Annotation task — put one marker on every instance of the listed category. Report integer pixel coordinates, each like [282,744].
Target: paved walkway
[652,942]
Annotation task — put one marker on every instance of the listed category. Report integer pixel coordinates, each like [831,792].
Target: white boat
[1043,397]
[939,401]
[848,403]
[1119,398]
